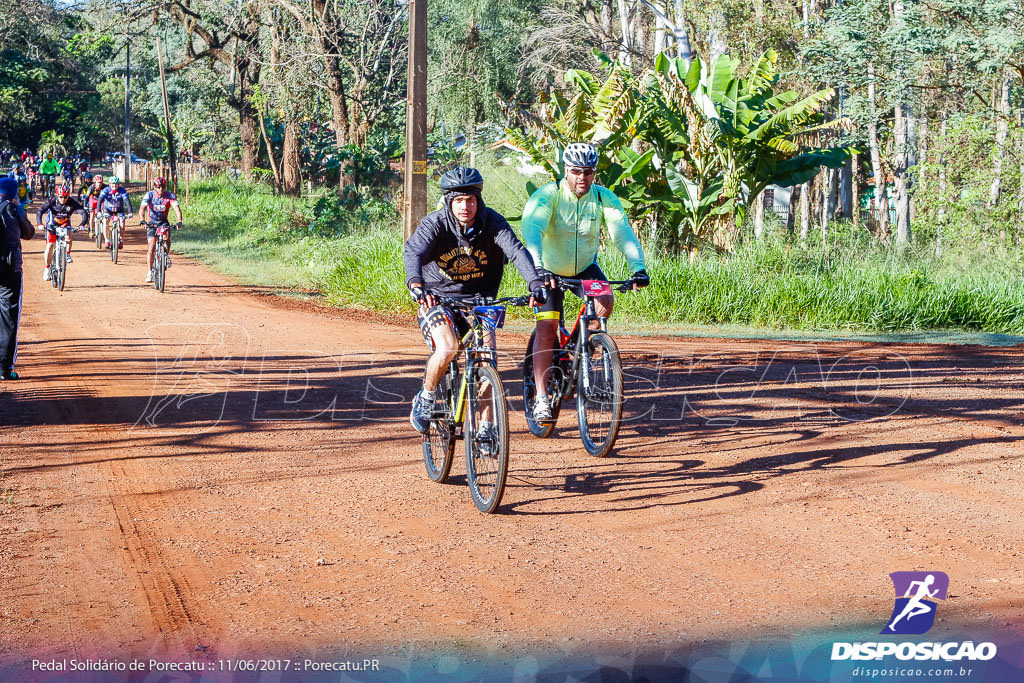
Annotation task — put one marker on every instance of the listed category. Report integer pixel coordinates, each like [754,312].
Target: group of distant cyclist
[99,202]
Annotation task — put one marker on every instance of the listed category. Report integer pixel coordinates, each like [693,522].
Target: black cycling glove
[640,278]
[418,293]
[540,294]
[545,275]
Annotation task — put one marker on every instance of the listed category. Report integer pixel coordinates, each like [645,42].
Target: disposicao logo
[917,595]
[916,599]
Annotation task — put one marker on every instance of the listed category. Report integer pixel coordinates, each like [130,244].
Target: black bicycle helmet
[464,179]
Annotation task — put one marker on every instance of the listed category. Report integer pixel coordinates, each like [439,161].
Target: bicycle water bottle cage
[596,288]
[493,316]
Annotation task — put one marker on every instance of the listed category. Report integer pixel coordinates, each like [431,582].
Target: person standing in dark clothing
[15,227]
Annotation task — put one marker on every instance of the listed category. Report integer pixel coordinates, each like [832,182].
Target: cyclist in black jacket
[458,250]
[59,209]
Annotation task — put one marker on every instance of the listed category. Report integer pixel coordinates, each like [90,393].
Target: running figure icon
[916,605]
[917,594]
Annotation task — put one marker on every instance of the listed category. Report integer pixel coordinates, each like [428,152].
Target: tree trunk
[1002,127]
[270,153]
[249,138]
[794,199]
[829,186]
[624,54]
[901,132]
[291,160]
[846,190]
[942,169]
[855,191]
[716,36]
[659,35]
[881,197]
[606,17]
[682,35]
[922,155]
[247,73]
[805,211]
[1020,180]
[759,215]
[640,31]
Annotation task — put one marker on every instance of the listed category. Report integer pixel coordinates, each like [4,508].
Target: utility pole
[127,112]
[416,120]
[167,116]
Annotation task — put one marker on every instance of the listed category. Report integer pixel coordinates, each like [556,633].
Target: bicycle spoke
[599,400]
[486,438]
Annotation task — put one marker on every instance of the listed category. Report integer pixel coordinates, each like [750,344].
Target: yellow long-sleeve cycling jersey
[563,231]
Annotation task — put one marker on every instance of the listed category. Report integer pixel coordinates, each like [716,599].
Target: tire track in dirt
[166,591]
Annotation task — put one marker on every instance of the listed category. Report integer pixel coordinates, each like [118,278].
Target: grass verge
[850,285]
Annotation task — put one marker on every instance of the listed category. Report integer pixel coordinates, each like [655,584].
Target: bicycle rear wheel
[486,449]
[439,441]
[538,429]
[599,406]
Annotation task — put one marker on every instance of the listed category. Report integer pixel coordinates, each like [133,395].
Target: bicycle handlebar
[470,301]
[567,283]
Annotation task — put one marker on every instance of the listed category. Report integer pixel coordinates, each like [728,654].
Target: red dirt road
[218,468]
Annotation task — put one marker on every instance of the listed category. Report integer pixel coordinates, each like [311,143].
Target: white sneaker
[70,259]
[46,274]
[149,276]
[542,411]
[168,262]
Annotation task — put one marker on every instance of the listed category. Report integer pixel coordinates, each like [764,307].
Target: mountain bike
[95,222]
[49,185]
[116,228]
[586,363]
[59,262]
[479,397]
[162,253]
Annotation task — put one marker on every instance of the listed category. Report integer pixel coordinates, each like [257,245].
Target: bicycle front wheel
[159,268]
[115,240]
[98,227]
[486,436]
[439,442]
[62,265]
[599,405]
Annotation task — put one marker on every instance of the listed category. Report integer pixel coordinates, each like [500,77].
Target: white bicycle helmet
[580,155]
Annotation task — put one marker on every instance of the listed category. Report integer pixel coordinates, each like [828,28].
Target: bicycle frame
[476,349]
[576,341]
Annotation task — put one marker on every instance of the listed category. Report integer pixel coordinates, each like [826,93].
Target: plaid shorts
[431,318]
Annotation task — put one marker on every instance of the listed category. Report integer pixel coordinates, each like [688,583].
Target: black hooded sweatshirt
[454,262]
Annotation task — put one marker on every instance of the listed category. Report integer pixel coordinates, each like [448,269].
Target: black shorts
[557,296]
[441,315]
[152,227]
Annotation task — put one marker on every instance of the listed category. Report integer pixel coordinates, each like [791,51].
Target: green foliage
[52,142]
[474,50]
[689,147]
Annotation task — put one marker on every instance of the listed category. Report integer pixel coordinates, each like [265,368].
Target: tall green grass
[849,283]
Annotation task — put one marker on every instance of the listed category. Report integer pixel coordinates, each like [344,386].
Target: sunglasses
[582,171]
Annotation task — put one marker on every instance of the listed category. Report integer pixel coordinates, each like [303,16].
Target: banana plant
[688,147]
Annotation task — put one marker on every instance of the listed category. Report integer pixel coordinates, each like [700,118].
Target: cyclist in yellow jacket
[562,230]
